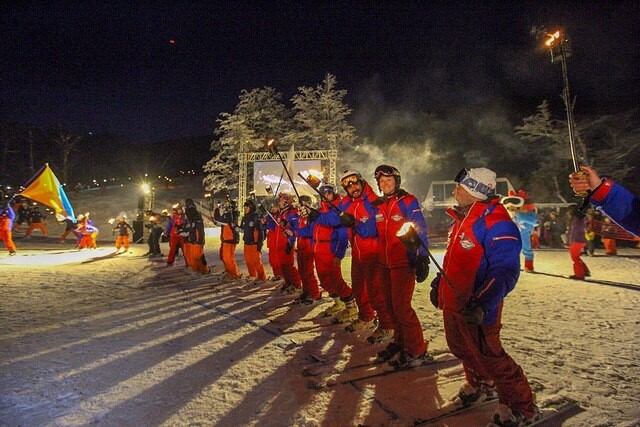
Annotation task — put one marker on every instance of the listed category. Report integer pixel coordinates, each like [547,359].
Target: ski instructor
[481,266]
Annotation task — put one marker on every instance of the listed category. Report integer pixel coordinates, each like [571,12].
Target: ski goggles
[325,189]
[463,178]
[349,181]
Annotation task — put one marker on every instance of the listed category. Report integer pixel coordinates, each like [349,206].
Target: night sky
[164,71]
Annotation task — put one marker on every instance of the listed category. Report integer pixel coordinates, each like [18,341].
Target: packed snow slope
[91,338]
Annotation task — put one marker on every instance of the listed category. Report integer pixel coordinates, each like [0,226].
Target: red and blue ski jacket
[364,236]
[277,238]
[622,206]
[392,213]
[334,238]
[482,262]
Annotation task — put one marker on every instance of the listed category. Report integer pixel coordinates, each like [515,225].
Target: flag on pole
[45,188]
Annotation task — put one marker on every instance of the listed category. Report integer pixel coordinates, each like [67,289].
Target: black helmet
[386,170]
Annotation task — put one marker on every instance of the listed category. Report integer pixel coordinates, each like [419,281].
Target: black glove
[289,248]
[347,219]
[313,215]
[433,294]
[422,268]
[473,315]
[283,223]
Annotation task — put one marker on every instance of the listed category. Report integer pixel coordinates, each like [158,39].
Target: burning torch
[314,182]
[557,43]
[408,235]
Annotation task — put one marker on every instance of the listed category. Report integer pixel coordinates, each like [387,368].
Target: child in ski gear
[7,215]
[253,237]
[122,230]
[86,233]
[613,199]
[36,222]
[194,238]
[481,266]
[397,267]
[577,243]
[155,232]
[229,238]
[523,213]
[176,240]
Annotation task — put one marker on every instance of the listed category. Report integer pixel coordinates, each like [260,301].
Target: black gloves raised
[422,268]
[435,286]
[347,219]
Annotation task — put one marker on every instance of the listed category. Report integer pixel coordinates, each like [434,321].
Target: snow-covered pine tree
[320,117]
[258,116]
[548,147]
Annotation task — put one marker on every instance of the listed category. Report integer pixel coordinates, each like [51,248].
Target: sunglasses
[349,181]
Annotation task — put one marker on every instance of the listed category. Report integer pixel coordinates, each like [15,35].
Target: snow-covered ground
[94,339]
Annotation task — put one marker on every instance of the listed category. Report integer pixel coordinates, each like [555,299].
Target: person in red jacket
[304,254]
[284,242]
[329,247]
[481,266]
[176,241]
[398,268]
[270,225]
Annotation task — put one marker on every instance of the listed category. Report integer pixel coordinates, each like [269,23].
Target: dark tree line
[81,158]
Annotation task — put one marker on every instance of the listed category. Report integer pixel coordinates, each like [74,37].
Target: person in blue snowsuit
[618,203]
[523,213]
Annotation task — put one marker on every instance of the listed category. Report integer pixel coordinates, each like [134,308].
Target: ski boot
[407,361]
[380,335]
[348,314]
[506,417]
[528,265]
[360,325]
[469,394]
[336,308]
[389,352]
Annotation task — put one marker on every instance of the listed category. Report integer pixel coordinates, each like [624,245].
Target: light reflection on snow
[47,258]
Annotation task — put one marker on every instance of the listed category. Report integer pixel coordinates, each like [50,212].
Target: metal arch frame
[244,158]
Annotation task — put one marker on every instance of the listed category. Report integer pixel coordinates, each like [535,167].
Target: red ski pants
[283,263]
[368,294]
[397,285]
[580,269]
[330,273]
[272,262]
[175,242]
[483,359]
[307,270]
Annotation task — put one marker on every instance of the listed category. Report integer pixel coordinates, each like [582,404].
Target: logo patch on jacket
[397,218]
[364,219]
[379,217]
[466,243]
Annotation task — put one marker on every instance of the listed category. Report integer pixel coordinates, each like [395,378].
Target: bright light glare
[31,259]
[146,188]
[404,230]
[552,38]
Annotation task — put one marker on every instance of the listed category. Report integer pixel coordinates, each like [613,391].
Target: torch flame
[405,229]
[552,38]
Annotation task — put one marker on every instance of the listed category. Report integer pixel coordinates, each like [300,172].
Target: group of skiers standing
[306,245]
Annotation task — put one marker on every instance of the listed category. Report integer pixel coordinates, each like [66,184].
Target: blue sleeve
[329,218]
[502,247]
[340,241]
[415,215]
[167,231]
[622,206]
[12,214]
[294,221]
